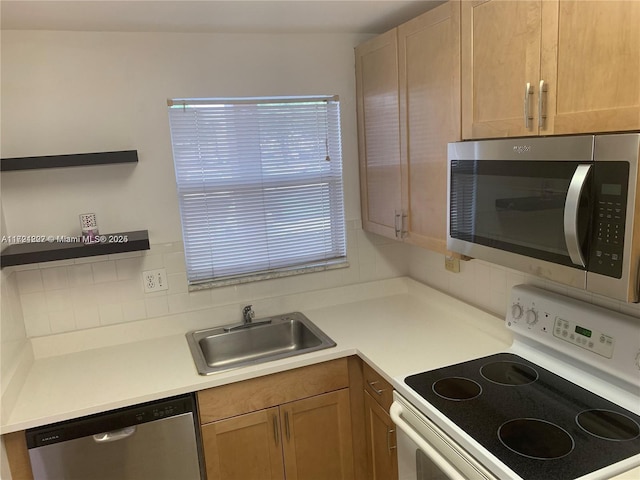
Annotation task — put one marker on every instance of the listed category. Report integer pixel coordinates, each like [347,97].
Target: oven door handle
[395,412]
[571,207]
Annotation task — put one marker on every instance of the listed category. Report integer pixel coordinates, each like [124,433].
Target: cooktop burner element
[608,425]
[457,389]
[509,373]
[535,438]
[530,419]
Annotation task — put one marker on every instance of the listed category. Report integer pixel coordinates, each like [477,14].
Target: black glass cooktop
[534,421]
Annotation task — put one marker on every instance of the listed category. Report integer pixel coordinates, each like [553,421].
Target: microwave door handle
[571,206]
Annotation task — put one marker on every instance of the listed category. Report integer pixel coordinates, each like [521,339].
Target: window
[260,186]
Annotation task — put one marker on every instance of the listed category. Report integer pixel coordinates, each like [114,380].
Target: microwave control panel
[610,207]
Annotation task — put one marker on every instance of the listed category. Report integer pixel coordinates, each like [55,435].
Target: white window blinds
[260,186]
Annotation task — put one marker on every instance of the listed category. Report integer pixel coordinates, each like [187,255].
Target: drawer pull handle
[377,391]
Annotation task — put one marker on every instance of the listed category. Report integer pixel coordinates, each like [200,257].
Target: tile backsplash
[78,294]
[84,293]
[488,286]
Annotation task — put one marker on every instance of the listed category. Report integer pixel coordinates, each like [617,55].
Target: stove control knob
[532,317]
[516,311]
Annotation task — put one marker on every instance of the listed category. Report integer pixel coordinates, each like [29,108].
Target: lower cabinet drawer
[379,388]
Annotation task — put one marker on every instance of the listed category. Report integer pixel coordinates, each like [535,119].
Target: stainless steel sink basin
[218,349]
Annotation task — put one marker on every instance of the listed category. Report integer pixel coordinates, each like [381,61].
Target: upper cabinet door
[378,134]
[429,57]
[500,56]
[591,59]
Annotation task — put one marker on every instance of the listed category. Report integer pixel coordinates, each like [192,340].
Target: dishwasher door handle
[114,435]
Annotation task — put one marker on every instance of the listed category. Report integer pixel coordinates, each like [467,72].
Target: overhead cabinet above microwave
[549,67]
[563,208]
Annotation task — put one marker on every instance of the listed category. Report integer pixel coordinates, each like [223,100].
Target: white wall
[73,92]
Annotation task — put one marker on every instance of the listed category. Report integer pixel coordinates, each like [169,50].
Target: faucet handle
[248,314]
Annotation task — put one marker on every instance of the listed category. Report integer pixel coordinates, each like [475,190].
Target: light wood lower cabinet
[18,456]
[381,441]
[247,446]
[382,455]
[309,439]
[300,429]
[317,437]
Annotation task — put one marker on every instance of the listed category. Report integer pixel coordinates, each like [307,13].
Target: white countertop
[412,329]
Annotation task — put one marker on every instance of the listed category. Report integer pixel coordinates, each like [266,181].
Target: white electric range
[562,403]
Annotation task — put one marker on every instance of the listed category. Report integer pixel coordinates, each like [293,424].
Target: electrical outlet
[452,264]
[155,280]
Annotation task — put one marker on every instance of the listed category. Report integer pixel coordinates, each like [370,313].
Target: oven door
[427,453]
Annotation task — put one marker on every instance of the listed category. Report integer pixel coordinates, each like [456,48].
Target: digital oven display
[583,331]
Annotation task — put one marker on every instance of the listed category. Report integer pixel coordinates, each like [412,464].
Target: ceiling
[230,16]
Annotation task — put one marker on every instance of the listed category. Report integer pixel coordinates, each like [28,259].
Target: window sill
[225,282]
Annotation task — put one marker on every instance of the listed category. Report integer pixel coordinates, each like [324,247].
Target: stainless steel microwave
[563,208]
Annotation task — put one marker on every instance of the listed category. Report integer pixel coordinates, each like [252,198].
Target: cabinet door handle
[404,232]
[389,447]
[542,104]
[275,429]
[528,118]
[286,426]
[397,224]
[377,391]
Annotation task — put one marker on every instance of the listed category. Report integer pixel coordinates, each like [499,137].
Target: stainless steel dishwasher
[150,441]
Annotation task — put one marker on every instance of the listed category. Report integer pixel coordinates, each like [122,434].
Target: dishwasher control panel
[109,421]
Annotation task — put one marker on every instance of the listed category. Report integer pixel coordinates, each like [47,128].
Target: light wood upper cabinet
[408,90]
[580,59]
[596,77]
[379,133]
[429,61]
[500,53]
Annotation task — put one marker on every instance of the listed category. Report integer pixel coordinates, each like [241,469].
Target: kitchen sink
[226,347]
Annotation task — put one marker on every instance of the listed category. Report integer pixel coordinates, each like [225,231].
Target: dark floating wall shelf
[24,253]
[72,160]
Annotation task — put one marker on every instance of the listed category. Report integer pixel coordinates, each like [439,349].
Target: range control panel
[539,318]
[597,342]
[597,337]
